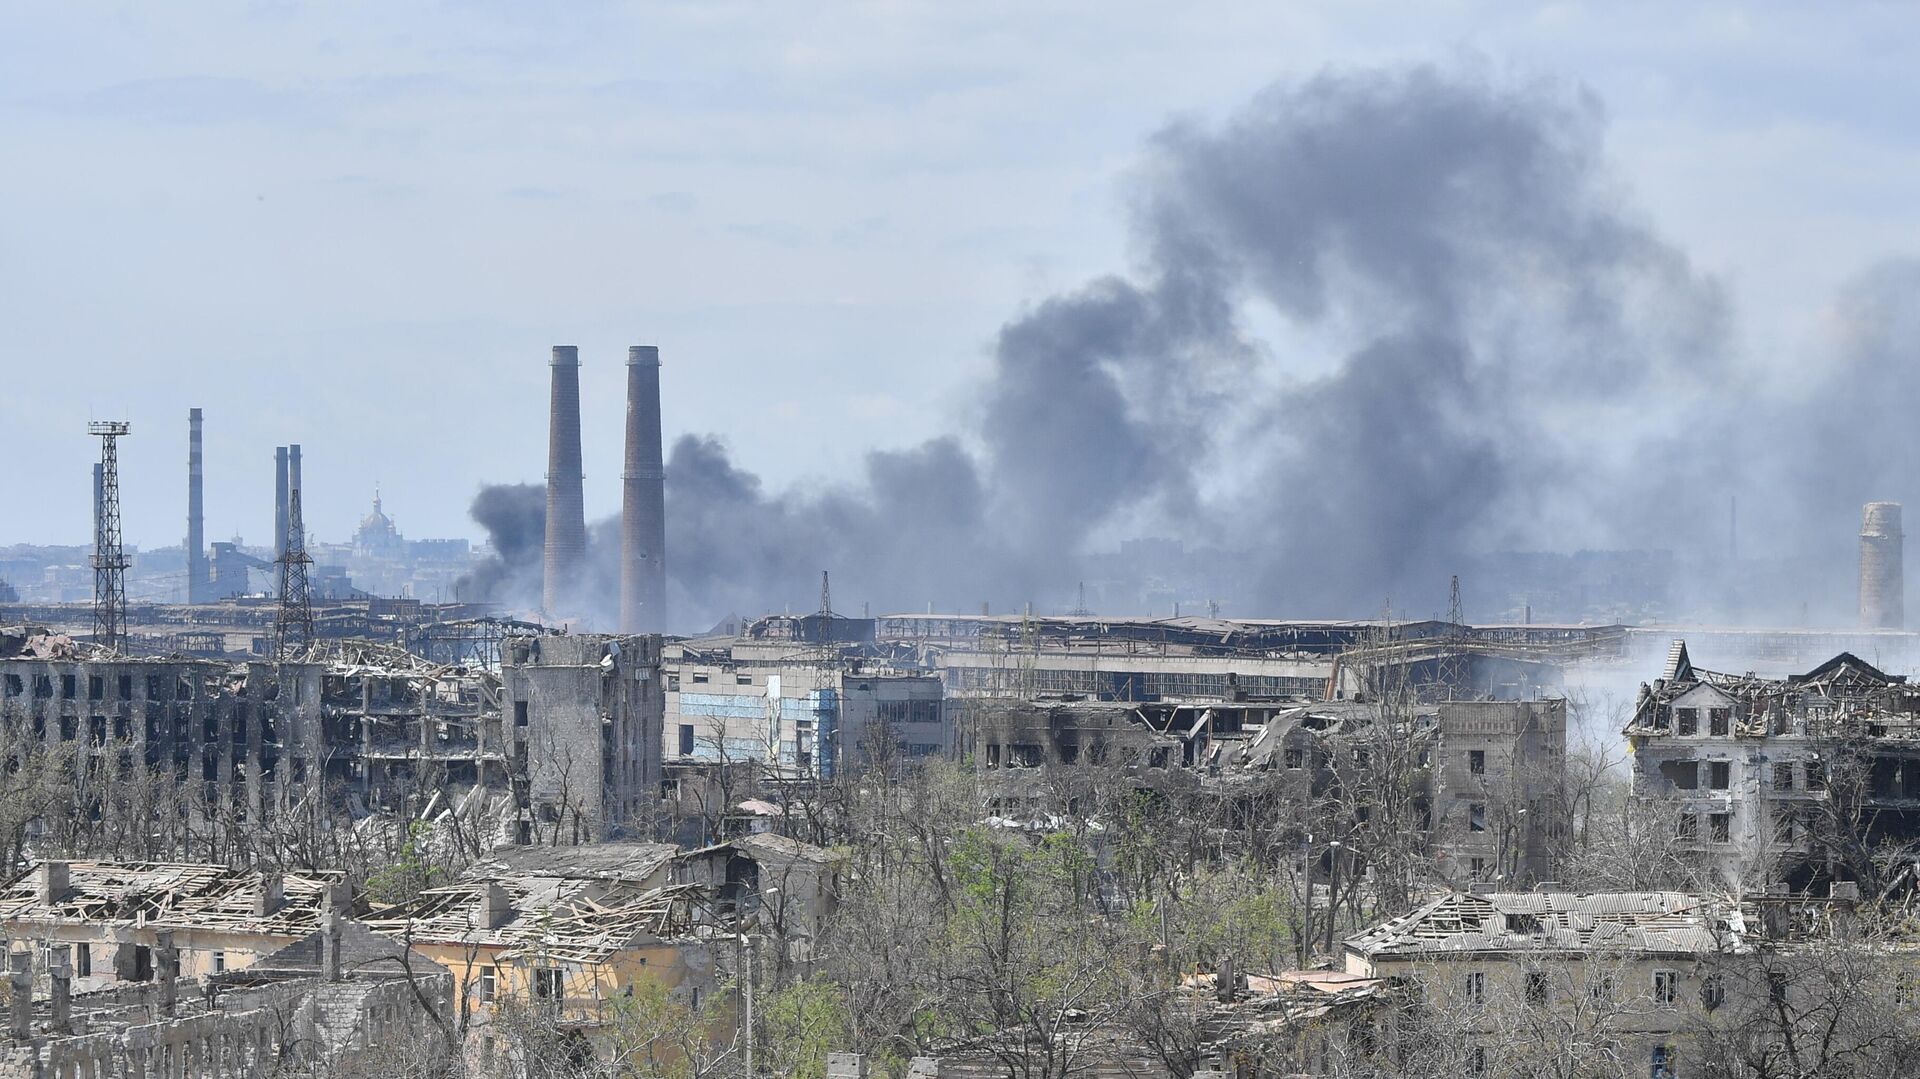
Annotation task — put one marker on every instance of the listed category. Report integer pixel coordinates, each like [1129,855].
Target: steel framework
[293,624]
[109,555]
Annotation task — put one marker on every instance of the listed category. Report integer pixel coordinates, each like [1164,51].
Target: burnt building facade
[1484,779]
[566,727]
[586,721]
[1773,781]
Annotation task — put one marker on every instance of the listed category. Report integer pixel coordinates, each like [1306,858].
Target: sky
[361,226]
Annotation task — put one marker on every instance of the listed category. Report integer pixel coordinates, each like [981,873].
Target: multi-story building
[570,933]
[569,727]
[784,699]
[1777,780]
[587,715]
[1484,778]
[1662,984]
[1624,976]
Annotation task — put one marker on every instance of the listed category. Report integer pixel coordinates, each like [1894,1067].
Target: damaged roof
[1660,923]
[771,848]
[570,920]
[184,895]
[362,952]
[634,862]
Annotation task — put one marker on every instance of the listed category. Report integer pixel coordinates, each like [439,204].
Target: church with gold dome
[377,537]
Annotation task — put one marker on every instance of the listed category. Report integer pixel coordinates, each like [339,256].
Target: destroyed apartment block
[333,999]
[560,744]
[1485,776]
[1639,970]
[1780,779]
[574,932]
[111,922]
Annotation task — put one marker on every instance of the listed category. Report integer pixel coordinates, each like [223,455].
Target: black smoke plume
[1380,323]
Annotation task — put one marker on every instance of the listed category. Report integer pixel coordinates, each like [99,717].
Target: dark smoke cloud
[1380,323]
[515,518]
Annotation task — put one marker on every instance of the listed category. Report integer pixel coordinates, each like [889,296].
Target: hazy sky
[361,226]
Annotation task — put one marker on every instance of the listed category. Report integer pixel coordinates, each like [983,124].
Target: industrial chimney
[566,507]
[1883,584]
[293,491]
[279,502]
[643,510]
[197,582]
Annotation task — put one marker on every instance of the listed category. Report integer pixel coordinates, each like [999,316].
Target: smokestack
[279,502]
[293,488]
[643,510]
[196,518]
[1883,584]
[566,506]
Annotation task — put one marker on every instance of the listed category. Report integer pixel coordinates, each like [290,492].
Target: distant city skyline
[361,228]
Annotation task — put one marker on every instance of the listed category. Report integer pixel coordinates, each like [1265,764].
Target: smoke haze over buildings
[1380,322]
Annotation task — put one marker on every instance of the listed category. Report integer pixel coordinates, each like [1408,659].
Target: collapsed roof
[1643,923]
[184,895]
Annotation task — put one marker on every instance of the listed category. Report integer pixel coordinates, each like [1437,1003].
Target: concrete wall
[253,730]
[799,716]
[1508,758]
[586,715]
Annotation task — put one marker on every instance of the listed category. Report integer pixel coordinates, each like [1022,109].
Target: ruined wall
[250,733]
[1497,771]
[908,713]
[586,721]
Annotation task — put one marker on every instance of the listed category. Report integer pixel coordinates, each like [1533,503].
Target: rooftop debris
[171,894]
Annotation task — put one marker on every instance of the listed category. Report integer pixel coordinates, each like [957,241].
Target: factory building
[784,699]
[1151,659]
[803,719]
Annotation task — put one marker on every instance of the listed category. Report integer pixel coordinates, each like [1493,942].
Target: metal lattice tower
[109,556]
[826,687]
[293,624]
[1080,609]
[1453,664]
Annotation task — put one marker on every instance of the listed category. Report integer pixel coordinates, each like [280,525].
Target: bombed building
[1483,778]
[562,740]
[803,695]
[1150,659]
[1780,780]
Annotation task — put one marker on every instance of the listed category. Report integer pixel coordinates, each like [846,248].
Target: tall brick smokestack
[566,505]
[199,589]
[1883,584]
[643,509]
[279,502]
